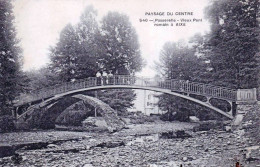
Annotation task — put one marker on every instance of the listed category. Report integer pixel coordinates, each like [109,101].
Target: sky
[39,23]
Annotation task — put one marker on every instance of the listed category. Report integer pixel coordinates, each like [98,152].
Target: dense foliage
[38,79]
[178,61]
[87,48]
[10,62]
[227,56]
[118,99]
[121,50]
[233,42]
[6,123]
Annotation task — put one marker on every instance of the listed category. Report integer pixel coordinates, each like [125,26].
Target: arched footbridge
[180,88]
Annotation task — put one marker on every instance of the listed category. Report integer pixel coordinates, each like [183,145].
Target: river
[138,145]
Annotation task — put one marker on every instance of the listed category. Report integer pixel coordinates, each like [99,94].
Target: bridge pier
[14,112]
[246,99]
[232,110]
[242,109]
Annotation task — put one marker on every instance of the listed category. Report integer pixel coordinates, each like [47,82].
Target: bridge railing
[203,89]
[173,85]
[249,95]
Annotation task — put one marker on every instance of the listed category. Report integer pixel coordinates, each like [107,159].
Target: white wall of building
[146,102]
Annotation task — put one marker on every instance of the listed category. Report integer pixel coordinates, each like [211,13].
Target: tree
[234,42]
[179,61]
[203,73]
[64,55]
[121,56]
[85,49]
[76,55]
[88,44]
[41,78]
[10,61]
[120,45]
[119,100]
[229,52]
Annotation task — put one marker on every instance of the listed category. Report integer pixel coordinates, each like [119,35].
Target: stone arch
[47,112]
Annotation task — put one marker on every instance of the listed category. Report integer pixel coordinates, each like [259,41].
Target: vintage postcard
[140,83]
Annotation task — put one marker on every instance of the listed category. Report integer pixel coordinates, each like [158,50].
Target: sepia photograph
[130,83]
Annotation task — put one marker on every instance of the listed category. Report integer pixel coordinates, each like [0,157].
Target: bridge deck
[169,84]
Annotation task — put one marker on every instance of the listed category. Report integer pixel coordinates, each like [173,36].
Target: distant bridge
[180,88]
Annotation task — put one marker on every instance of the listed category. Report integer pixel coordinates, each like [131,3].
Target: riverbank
[139,145]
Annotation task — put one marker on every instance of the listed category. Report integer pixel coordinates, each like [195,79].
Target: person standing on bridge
[98,75]
[110,78]
[104,78]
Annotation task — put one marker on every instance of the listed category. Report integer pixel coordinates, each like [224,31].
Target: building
[146,102]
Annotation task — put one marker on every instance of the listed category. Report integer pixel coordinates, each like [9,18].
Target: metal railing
[249,95]
[171,84]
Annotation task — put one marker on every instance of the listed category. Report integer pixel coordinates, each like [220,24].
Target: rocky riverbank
[139,145]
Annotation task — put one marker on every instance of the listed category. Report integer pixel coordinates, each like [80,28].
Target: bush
[7,123]
[181,115]
[140,118]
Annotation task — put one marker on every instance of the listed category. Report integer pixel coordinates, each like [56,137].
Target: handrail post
[114,80]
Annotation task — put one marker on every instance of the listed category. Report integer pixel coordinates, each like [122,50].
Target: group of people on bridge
[103,78]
